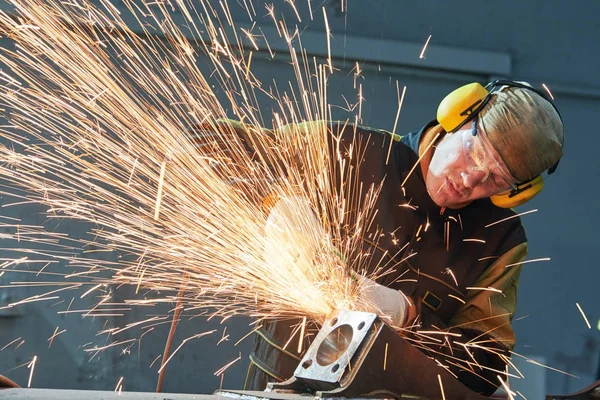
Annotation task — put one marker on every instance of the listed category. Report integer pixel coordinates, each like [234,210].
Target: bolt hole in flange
[334,345]
[361,325]
[307,364]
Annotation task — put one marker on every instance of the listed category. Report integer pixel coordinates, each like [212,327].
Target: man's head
[515,137]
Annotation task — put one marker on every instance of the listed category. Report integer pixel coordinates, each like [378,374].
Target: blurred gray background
[551,42]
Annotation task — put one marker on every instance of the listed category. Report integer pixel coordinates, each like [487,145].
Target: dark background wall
[552,42]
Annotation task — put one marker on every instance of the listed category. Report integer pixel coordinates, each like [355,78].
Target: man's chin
[449,203]
[458,206]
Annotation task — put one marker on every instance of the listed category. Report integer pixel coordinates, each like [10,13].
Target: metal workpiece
[324,365]
[58,394]
[357,355]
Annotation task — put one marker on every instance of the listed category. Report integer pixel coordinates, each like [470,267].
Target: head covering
[525,130]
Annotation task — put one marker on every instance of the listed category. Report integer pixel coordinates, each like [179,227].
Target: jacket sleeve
[480,336]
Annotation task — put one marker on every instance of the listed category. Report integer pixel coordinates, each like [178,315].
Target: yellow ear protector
[463,105]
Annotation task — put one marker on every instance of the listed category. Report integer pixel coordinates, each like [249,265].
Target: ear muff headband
[463,104]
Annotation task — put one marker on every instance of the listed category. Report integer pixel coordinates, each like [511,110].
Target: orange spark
[31,366]
[182,343]
[293,5]
[441,387]
[583,315]
[301,338]
[511,217]
[385,357]
[422,55]
[509,392]
[548,90]
[155,360]
[491,289]
[8,344]
[449,271]
[528,261]
[55,334]
[400,101]
[118,387]
[161,180]
[328,33]
[221,370]
[474,240]
[457,298]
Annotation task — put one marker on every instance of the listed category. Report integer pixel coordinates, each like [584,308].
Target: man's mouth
[452,188]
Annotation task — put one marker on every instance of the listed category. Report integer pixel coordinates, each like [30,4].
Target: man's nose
[473,177]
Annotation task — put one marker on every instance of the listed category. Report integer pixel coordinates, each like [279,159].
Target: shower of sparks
[102,122]
[422,55]
[583,315]
[31,366]
[548,90]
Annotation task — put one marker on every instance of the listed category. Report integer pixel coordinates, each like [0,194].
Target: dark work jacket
[447,253]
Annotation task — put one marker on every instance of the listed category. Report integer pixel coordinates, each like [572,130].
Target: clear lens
[480,156]
[475,153]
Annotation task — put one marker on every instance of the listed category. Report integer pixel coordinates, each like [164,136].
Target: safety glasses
[482,160]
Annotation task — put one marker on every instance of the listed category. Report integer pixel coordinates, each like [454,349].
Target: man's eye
[497,180]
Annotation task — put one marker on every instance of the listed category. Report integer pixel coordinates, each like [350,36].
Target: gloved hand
[391,305]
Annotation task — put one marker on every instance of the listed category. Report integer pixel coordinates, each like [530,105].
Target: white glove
[391,305]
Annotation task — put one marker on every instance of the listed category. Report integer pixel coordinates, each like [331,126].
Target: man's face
[464,168]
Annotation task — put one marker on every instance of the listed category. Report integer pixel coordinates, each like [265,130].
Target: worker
[452,244]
